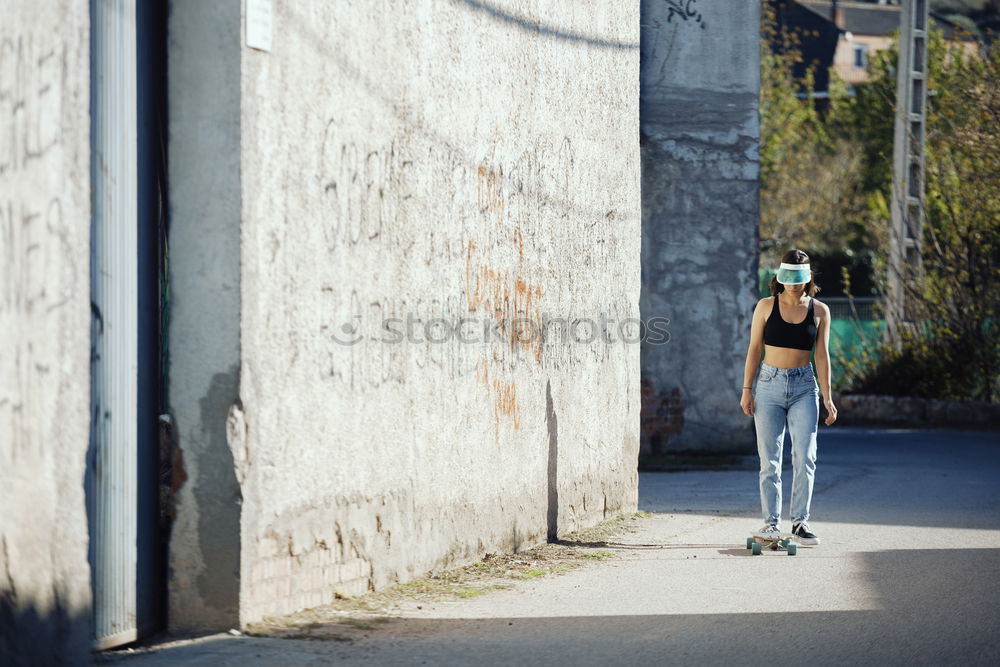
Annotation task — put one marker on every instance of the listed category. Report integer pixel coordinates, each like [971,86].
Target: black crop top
[779,333]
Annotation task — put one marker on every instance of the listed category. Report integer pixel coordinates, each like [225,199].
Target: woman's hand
[747,402]
[831,411]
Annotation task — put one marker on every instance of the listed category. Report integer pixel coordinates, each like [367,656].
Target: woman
[785,328]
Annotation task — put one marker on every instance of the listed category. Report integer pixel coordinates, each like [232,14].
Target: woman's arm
[823,363]
[754,351]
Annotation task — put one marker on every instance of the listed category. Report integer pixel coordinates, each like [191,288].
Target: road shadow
[894,477]
[934,606]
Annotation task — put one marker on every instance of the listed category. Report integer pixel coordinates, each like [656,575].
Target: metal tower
[908,168]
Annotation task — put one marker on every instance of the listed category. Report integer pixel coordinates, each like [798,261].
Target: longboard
[757,542]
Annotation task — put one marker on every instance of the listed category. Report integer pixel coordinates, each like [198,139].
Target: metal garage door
[122,491]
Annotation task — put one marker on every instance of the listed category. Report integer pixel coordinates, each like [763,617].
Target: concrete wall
[204,310]
[441,160]
[44,332]
[700,136]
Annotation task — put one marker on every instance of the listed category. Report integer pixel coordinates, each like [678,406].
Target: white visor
[793,274]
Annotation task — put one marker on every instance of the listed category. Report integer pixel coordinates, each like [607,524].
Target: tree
[955,351]
[826,184]
[810,195]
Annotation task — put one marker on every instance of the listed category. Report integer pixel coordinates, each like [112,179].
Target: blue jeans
[786,396]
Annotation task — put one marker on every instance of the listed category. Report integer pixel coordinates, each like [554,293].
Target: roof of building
[861,18]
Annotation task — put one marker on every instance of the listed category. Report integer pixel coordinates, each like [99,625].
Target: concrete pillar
[204,309]
[700,135]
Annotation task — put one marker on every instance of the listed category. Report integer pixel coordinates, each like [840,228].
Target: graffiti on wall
[32,76]
[685,10]
[369,201]
[38,268]
[661,417]
[469,239]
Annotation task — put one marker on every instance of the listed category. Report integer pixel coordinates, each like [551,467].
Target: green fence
[848,337]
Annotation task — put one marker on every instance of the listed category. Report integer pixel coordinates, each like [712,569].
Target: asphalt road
[908,572]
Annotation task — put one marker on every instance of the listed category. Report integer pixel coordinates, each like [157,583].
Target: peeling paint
[236,437]
[217,493]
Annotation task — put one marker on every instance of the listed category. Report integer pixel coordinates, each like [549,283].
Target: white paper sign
[259,24]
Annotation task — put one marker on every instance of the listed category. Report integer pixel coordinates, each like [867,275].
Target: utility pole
[908,169]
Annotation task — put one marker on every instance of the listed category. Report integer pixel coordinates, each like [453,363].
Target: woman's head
[790,258]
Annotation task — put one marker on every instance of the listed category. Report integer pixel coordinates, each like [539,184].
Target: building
[845,35]
[238,240]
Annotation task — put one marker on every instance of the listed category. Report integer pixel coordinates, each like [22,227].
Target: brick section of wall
[662,418]
[290,584]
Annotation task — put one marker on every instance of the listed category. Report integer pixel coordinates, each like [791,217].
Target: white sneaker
[768,530]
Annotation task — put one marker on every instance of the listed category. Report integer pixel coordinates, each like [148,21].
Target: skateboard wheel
[784,543]
[755,549]
[792,549]
[749,543]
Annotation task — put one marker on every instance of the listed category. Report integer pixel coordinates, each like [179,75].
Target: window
[861,56]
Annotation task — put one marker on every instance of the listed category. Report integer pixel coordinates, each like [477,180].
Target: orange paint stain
[514,304]
[503,396]
[489,191]
[490,199]
[505,404]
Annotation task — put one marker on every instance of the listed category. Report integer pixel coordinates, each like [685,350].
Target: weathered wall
[440,160]
[204,310]
[700,136]
[44,332]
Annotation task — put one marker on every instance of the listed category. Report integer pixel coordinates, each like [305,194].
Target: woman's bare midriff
[786,357]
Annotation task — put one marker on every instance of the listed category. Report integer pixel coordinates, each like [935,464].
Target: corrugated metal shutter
[112,474]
